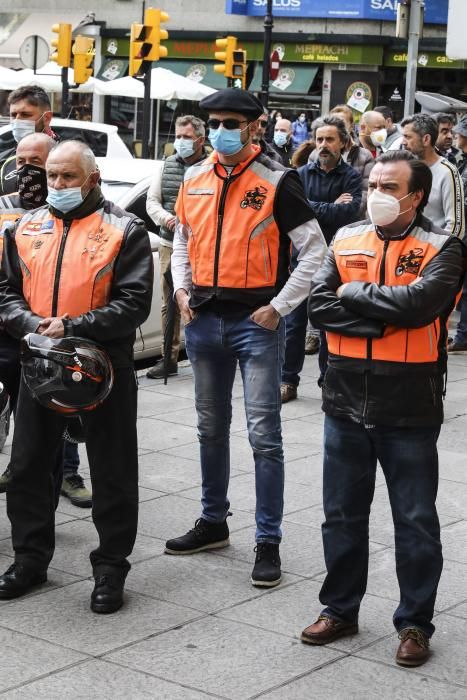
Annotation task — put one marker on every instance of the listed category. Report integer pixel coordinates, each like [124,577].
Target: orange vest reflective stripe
[362,256]
[69,273]
[234,241]
[10,212]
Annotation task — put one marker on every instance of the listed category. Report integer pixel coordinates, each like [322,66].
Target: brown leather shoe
[326,629]
[414,648]
[288,392]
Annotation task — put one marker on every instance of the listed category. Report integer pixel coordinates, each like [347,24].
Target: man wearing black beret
[238,213]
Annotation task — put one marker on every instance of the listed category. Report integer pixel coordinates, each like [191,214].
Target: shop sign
[425,60]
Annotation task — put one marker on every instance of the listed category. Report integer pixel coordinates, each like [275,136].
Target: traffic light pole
[64,111]
[268,25]
[146,126]
[415,25]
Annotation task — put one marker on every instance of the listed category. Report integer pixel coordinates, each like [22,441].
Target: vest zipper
[220,219]
[58,269]
[382,280]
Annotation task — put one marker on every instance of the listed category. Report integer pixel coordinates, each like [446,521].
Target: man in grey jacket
[162,195]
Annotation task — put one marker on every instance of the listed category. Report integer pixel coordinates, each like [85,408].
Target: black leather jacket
[376,392]
[112,326]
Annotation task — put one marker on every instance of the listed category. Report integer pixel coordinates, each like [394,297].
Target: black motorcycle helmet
[68,375]
[4,415]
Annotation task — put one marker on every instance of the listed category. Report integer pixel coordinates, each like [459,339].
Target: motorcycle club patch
[411,262]
[359,264]
[254,198]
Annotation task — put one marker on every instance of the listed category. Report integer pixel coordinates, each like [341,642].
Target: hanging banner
[436,11]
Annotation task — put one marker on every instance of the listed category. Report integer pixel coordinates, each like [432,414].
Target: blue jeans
[70,459]
[214,345]
[409,460]
[461,332]
[295,331]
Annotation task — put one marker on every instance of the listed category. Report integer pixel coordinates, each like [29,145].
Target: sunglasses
[263,122]
[226,123]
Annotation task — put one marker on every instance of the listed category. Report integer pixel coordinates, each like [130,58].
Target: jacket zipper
[220,219]
[58,269]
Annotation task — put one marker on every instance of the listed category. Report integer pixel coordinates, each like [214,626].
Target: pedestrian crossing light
[83,51]
[152,21]
[62,44]
[228,46]
[239,68]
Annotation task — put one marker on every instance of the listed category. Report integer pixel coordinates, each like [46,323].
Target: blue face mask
[65,200]
[226,141]
[280,138]
[22,127]
[184,147]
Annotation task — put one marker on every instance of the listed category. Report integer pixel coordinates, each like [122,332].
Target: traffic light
[228,46]
[83,51]
[62,44]
[145,41]
[239,68]
[152,20]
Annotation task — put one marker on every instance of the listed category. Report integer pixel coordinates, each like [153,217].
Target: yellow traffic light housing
[83,51]
[62,44]
[137,34]
[229,45]
[239,67]
[152,20]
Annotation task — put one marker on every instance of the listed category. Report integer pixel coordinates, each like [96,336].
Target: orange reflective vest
[362,256]
[68,268]
[234,244]
[10,211]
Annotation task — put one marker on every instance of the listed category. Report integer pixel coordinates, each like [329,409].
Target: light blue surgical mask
[184,147]
[227,141]
[22,127]
[280,138]
[65,200]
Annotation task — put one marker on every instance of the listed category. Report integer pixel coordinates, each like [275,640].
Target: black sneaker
[267,569]
[203,536]
[157,372]
[5,479]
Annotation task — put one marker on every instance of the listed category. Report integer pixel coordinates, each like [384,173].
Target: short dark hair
[444,118]
[33,94]
[420,177]
[385,111]
[332,120]
[423,124]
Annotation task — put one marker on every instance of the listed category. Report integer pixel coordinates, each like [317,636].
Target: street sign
[34,52]
[274,65]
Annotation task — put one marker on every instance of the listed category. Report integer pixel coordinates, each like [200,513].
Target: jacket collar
[237,169]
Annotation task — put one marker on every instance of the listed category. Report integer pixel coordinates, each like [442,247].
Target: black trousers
[111,444]
[10,368]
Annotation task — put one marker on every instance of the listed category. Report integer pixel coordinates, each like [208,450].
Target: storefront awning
[198,71]
[292,79]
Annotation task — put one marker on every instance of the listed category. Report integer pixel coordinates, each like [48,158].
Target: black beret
[233,100]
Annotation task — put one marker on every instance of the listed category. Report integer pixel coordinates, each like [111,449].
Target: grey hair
[197,124]
[332,120]
[87,157]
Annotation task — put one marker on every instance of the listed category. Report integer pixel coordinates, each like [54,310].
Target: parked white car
[126,183]
[103,139]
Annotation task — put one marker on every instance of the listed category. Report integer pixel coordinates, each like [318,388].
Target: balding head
[283,125]
[370,121]
[72,164]
[34,150]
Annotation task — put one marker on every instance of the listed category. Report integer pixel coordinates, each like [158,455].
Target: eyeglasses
[226,123]
[263,123]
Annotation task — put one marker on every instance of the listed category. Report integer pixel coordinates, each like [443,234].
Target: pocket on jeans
[263,328]
[190,323]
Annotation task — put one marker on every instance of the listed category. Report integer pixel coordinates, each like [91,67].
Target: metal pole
[268,25]
[145,131]
[158,119]
[35,53]
[64,112]
[415,27]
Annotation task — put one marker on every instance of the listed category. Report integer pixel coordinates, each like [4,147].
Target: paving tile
[241,455]
[202,581]
[102,680]
[447,660]
[151,403]
[168,473]
[306,470]
[173,515]
[64,617]
[452,465]
[159,435]
[223,657]
[354,679]
[25,658]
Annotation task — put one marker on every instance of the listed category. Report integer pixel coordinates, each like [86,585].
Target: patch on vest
[35,228]
[360,264]
[411,262]
[254,198]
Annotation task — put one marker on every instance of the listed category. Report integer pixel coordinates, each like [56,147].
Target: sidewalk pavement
[193,627]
